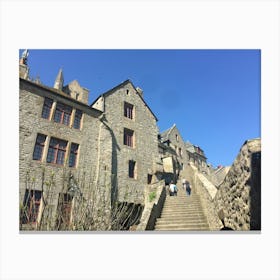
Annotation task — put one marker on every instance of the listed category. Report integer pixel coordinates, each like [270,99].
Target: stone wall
[207,192]
[153,207]
[93,171]
[218,176]
[239,196]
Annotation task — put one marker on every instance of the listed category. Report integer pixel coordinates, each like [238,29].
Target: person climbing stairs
[182,213]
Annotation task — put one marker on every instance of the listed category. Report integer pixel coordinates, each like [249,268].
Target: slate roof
[165,134]
[193,149]
[58,93]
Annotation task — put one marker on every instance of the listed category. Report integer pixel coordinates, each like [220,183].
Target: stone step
[182,213]
[182,199]
[183,206]
[182,227]
[173,217]
[176,205]
[173,223]
[182,210]
[180,220]
[183,196]
[177,198]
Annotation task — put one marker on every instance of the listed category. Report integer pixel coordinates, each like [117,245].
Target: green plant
[152,196]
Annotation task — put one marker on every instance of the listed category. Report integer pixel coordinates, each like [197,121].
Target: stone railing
[207,192]
[155,195]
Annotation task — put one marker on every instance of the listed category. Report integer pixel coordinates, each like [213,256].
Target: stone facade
[109,157]
[173,139]
[196,155]
[92,171]
[135,158]
[239,196]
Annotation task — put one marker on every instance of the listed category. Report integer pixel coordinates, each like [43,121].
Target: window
[73,155]
[62,114]
[128,137]
[177,137]
[47,108]
[180,152]
[39,147]
[131,169]
[150,176]
[128,110]
[64,211]
[77,119]
[56,152]
[31,206]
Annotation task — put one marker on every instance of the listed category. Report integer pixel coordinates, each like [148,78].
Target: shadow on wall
[115,148]
[255,191]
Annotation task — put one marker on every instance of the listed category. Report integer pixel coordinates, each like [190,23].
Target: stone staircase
[182,213]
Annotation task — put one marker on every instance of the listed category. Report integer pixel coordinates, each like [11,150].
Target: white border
[140,24]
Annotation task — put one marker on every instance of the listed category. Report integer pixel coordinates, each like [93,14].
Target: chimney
[140,91]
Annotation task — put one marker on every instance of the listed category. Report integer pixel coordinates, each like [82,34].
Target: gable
[76,91]
[128,88]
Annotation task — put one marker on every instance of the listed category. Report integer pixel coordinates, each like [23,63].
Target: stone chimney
[140,91]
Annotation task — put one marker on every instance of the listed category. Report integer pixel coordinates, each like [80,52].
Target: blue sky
[213,96]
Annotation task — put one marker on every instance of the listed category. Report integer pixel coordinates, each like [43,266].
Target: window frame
[33,206]
[132,169]
[57,150]
[74,151]
[64,208]
[149,178]
[128,138]
[47,107]
[78,117]
[62,114]
[129,110]
[39,145]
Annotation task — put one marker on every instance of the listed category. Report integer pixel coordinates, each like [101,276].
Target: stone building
[135,157]
[196,155]
[169,161]
[173,139]
[64,153]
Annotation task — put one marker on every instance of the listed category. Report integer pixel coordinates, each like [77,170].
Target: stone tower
[58,84]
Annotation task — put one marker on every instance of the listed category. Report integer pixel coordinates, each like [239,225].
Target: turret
[58,84]
[23,68]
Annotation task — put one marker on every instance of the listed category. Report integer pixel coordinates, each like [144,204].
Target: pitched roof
[165,134]
[120,86]
[59,93]
[194,149]
[190,147]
